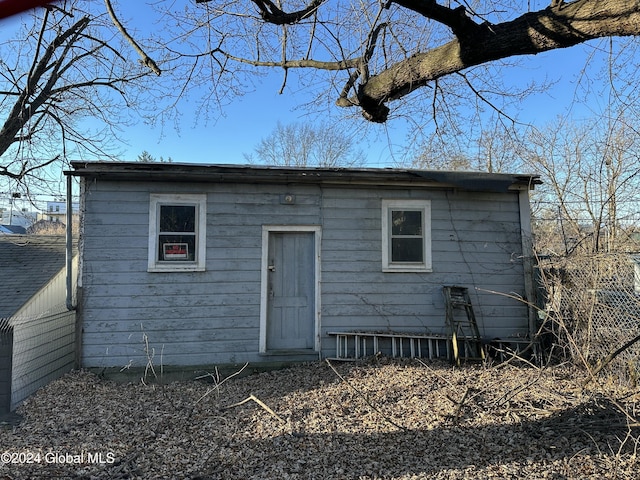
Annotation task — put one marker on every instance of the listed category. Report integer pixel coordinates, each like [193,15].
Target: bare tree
[307,145]
[494,148]
[590,171]
[438,153]
[67,74]
[65,87]
[376,52]
[591,189]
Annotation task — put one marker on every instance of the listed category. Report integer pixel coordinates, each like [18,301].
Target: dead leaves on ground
[389,419]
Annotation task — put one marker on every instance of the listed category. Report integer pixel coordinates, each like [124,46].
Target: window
[406,235]
[177,232]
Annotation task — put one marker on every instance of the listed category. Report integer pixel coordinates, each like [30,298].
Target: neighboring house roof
[27,263]
[137,171]
[12,229]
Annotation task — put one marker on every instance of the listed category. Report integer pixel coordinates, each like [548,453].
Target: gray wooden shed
[192,264]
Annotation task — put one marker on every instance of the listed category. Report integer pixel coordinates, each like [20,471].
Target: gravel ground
[384,419]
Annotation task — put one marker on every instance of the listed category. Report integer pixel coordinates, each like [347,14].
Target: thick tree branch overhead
[272,13]
[562,26]
[334,35]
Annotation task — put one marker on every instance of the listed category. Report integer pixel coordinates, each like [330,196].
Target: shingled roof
[27,263]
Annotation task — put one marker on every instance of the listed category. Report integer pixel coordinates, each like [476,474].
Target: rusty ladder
[465,336]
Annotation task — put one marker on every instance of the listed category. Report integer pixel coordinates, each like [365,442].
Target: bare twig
[456,413]
[603,362]
[253,398]
[513,355]
[217,381]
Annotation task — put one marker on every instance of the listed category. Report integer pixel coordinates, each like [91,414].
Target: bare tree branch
[271,13]
[531,33]
[146,59]
[454,18]
[24,109]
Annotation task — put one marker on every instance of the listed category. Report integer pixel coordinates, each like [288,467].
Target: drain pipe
[69,244]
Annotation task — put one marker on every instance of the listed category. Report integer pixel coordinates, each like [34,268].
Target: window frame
[156,200]
[388,206]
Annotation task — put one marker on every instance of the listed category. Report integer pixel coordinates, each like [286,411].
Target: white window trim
[200,200]
[387,264]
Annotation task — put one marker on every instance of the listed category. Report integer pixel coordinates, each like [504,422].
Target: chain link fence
[592,308]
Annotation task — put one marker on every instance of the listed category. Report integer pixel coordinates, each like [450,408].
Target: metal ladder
[465,336]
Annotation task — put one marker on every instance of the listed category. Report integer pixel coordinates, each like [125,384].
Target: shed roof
[27,263]
[186,172]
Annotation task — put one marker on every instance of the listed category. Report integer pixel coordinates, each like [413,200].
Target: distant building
[57,210]
[17,215]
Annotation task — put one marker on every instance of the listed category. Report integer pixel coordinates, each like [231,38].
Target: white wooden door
[291,291]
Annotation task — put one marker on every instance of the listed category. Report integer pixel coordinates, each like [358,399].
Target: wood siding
[475,243]
[130,316]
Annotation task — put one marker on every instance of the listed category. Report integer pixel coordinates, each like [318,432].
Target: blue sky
[244,123]
[250,118]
